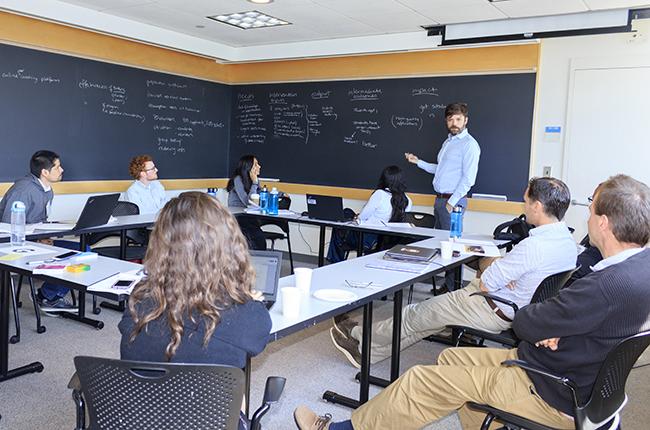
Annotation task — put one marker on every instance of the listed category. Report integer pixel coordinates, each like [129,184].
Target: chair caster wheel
[97,311]
[100,325]
[41,329]
[14,339]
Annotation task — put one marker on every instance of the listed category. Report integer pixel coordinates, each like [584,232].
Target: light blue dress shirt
[548,250]
[457,166]
[149,198]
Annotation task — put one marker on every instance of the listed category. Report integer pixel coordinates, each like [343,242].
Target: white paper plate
[334,295]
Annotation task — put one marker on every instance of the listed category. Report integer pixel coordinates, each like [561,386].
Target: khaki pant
[426,393]
[430,317]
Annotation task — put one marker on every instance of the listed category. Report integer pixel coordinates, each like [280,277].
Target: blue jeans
[54,291]
[346,240]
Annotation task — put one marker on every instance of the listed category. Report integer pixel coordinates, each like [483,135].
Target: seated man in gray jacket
[35,191]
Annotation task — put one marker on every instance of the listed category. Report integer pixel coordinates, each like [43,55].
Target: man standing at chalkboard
[455,172]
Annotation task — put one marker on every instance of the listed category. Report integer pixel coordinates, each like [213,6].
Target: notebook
[267,265]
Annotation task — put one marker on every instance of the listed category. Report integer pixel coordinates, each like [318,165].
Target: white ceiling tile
[615,4]
[528,8]
[399,22]
[105,5]
[454,11]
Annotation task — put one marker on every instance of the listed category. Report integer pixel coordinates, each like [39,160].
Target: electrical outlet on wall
[546,171]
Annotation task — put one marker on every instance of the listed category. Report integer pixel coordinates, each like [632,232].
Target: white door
[608,130]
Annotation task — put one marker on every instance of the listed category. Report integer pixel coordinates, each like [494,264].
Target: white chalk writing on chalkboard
[318,95]
[430,109]
[403,121]
[115,110]
[357,94]
[430,91]
[25,76]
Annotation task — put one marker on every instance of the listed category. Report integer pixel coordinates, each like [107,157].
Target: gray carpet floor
[307,359]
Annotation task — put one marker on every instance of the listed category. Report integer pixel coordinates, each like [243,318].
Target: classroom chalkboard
[97,116]
[343,133]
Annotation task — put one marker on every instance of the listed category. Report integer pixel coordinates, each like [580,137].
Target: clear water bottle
[456,225]
[18,224]
[273,201]
[264,200]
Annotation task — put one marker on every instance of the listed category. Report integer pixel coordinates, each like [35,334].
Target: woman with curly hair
[197,303]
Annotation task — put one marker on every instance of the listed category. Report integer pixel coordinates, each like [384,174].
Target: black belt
[446,196]
[497,310]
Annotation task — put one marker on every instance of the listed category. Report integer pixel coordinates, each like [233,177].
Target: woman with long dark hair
[388,203]
[197,303]
[241,186]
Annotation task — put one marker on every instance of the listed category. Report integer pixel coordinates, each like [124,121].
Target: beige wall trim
[89,187]
[479,205]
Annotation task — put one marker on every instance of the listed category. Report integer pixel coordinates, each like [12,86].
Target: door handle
[574,202]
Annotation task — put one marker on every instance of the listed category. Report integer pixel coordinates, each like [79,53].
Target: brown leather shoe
[306,419]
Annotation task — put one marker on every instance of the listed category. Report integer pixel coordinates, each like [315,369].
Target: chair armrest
[494,298]
[272,393]
[547,374]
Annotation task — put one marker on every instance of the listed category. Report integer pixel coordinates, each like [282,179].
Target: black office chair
[136,238]
[136,244]
[284,202]
[134,395]
[607,399]
[549,287]
[420,219]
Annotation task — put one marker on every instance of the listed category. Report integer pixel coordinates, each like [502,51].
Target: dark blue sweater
[590,317]
[243,330]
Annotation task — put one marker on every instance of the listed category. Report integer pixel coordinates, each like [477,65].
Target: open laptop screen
[267,266]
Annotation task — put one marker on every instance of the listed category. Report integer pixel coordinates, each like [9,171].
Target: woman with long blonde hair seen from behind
[197,304]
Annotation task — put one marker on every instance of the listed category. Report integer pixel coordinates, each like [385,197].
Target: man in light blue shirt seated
[548,250]
[146,191]
[455,172]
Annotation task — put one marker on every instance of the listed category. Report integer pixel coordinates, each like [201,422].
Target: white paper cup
[303,279]
[255,198]
[446,250]
[291,298]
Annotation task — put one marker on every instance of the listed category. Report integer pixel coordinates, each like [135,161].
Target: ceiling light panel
[249,20]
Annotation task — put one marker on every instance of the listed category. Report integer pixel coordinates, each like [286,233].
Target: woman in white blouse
[388,203]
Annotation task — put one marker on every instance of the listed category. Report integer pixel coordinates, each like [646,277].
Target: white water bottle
[18,223]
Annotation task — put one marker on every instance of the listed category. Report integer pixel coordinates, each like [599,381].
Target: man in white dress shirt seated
[549,249]
[146,191]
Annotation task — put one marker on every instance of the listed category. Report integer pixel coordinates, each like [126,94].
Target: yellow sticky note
[11,257]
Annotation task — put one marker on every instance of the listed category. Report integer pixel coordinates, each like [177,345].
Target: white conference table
[314,311]
[100,269]
[396,231]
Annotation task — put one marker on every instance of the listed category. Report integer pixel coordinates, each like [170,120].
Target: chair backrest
[140,395]
[126,208]
[551,286]
[420,219]
[608,393]
[284,202]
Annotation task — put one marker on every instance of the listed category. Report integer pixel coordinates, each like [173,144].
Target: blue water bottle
[212,192]
[273,201]
[264,200]
[17,224]
[456,225]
